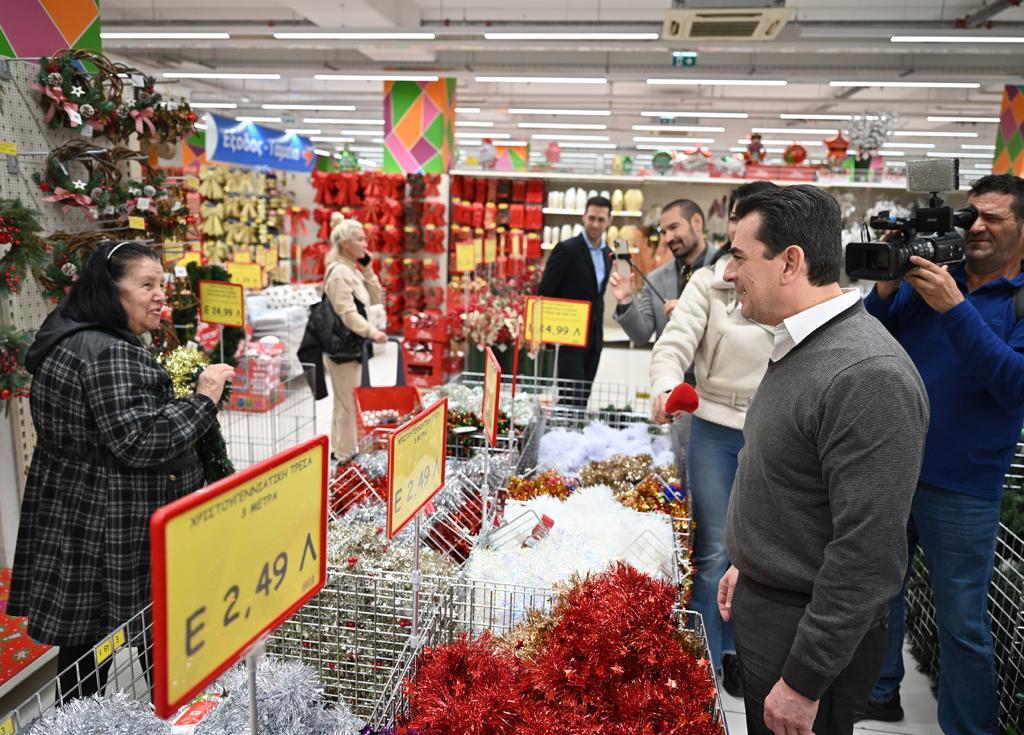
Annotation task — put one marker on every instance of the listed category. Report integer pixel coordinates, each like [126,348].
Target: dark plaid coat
[113,445]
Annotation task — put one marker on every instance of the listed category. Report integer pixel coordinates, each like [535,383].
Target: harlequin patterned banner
[511,158]
[419,126]
[40,27]
[1009,155]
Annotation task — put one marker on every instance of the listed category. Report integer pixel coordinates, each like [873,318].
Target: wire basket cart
[473,607]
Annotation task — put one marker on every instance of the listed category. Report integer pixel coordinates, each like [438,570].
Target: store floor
[630,366]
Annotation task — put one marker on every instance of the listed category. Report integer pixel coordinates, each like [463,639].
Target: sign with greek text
[492,391]
[230,563]
[249,275]
[249,144]
[416,464]
[557,321]
[222,303]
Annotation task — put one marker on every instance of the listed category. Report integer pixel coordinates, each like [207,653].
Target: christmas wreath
[73,97]
[20,230]
[14,379]
[68,253]
[98,190]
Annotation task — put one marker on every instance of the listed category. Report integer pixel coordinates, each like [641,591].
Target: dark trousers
[765,630]
[577,366]
[80,677]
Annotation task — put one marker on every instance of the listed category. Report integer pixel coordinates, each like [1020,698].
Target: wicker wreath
[72,97]
[68,253]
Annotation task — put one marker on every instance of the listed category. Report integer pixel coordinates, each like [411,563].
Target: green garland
[14,379]
[184,366]
[19,229]
[185,314]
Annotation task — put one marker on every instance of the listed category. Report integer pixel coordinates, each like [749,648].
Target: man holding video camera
[961,326]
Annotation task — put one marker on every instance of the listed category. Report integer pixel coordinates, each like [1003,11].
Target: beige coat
[729,352]
[348,280]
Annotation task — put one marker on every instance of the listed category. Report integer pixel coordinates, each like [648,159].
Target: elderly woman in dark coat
[113,445]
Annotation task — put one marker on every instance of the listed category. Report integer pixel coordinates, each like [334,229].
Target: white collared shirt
[797,328]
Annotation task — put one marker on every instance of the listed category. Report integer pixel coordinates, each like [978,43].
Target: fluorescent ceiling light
[681,81]
[797,131]
[361,132]
[467,110]
[932,134]
[159,36]
[971,147]
[257,118]
[945,118]
[538,111]
[957,39]
[667,141]
[555,36]
[679,128]
[557,136]
[396,77]
[738,149]
[544,80]
[482,135]
[331,139]
[784,142]
[358,36]
[983,166]
[213,105]
[562,126]
[473,124]
[887,152]
[321,152]
[304,131]
[954,154]
[598,146]
[793,116]
[909,85]
[216,75]
[902,144]
[708,115]
[497,143]
[343,121]
[336,108]
[649,147]
[364,148]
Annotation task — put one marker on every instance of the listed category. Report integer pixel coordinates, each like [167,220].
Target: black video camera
[930,233]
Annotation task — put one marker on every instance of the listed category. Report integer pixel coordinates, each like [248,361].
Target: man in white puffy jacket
[729,355]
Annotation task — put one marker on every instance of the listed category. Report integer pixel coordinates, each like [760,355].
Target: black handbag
[327,334]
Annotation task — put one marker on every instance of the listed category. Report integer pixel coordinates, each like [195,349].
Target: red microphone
[683,399]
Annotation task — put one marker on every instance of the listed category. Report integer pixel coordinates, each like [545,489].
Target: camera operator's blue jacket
[972,362]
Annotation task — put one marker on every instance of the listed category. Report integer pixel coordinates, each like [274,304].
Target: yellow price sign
[136,223]
[269,258]
[108,646]
[7,726]
[242,255]
[465,257]
[230,563]
[222,303]
[173,253]
[557,321]
[478,249]
[8,149]
[192,257]
[492,391]
[416,464]
[248,275]
[490,250]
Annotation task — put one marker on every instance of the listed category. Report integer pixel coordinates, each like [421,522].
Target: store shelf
[579,212]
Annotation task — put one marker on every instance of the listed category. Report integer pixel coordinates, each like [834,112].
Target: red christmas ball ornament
[794,154]
[44,186]
[5,394]
[4,237]
[51,67]
[192,117]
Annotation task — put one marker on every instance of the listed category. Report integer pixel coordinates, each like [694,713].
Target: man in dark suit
[578,268]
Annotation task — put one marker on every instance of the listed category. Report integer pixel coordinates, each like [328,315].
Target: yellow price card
[490,250]
[268,258]
[230,563]
[222,303]
[465,257]
[7,726]
[242,255]
[249,275]
[416,464]
[557,321]
[478,249]
[192,257]
[492,391]
[8,149]
[136,223]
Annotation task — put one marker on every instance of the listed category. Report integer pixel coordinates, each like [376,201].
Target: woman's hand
[212,379]
[378,336]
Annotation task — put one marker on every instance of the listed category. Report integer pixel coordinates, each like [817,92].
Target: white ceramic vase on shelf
[577,229]
[566,232]
[616,198]
[553,199]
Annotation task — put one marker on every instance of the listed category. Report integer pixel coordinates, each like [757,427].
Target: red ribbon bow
[57,101]
[63,195]
[142,117]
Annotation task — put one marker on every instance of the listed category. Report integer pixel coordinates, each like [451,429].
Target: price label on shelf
[490,250]
[492,391]
[109,646]
[249,275]
[8,149]
[136,223]
[478,249]
[191,257]
[465,257]
[269,258]
[242,255]
[416,464]
[230,563]
[222,303]
[7,726]
[557,321]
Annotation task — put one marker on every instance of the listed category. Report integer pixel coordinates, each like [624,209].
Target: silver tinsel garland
[118,714]
[470,398]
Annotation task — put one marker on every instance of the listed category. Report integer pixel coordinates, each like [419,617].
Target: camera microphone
[683,399]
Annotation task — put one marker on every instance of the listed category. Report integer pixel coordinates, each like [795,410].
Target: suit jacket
[569,274]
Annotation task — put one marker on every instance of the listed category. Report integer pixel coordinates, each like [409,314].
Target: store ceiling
[827,41]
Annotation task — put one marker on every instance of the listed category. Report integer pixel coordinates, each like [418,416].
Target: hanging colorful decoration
[794,154]
[755,152]
[553,152]
[661,162]
[68,253]
[869,132]
[14,379]
[19,230]
[94,186]
[837,151]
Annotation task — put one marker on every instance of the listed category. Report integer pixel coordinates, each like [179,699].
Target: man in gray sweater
[834,437]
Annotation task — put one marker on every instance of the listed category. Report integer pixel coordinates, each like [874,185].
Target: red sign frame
[422,415]
[492,431]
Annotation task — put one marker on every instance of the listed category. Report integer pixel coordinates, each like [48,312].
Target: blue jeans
[957,534]
[711,460]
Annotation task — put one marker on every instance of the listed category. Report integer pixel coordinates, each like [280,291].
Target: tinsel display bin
[385,408]
[472,608]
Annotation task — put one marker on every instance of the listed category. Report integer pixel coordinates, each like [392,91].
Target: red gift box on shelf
[427,327]
[403,399]
[535,191]
[423,377]
[425,354]
[519,190]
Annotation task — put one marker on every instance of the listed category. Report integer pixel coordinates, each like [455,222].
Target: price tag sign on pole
[249,275]
[492,391]
[557,321]
[465,257]
[490,250]
[230,563]
[222,303]
[416,464]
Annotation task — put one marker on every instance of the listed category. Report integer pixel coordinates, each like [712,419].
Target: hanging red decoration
[795,154]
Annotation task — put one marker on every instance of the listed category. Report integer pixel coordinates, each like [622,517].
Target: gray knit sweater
[818,514]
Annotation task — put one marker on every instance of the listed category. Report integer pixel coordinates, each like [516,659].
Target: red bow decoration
[57,102]
[433,214]
[391,212]
[323,218]
[392,240]
[433,240]
[142,117]
[371,211]
[322,184]
[297,220]
[63,195]
[431,185]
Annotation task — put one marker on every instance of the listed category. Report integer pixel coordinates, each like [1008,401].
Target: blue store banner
[249,144]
